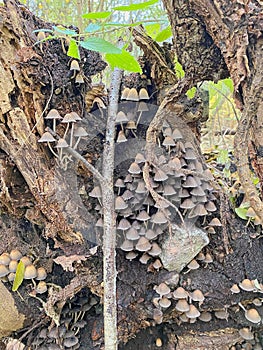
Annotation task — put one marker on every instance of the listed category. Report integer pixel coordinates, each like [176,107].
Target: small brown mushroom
[30,272]
[127,245]
[253,316]
[125,93]
[41,274]
[193,312]
[5,259]
[234,289]
[205,316]
[143,245]
[15,254]
[180,293]
[221,314]
[134,169]
[165,302]
[162,289]
[144,258]
[41,287]
[143,94]
[247,285]
[182,305]
[132,95]
[3,271]
[246,333]
[54,115]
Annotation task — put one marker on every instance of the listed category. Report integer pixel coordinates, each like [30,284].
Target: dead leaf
[67,261]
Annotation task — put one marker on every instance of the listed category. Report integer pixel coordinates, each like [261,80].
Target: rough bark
[47,208]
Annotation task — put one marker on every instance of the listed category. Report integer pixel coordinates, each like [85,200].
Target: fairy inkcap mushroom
[131,255]
[41,274]
[127,245]
[162,289]
[54,115]
[215,222]
[15,254]
[160,176]
[247,285]
[144,258]
[121,118]
[79,132]
[155,250]
[182,305]
[234,289]
[157,264]
[30,272]
[132,234]
[3,270]
[132,95]
[193,265]
[142,107]
[142,216]
[159,218]
[5,259]
[143,245]
[246,333]
[41,287]
[205,316]
[125,93]
[13,265]
[26,260]
[252,315]
[143,94]
[165,302]
[47,137]
[74,67]
[180,293]
[193,312]
[134,169]
[221,314]
[197,295]
[120,204]
[79,79]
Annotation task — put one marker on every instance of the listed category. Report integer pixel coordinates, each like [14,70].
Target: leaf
[191,92]
[100,45]
[153,29]
[73,50]
[122,25]
[241,212]
[165,34]
[19,277]
[97,15]
[123,61]
[65,31]
[92,27]
[179,70]
[223,156]
[43,30]
[135,7]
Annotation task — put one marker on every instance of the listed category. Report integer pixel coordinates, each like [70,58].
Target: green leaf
[122,25]
[64,31]
[19,277]
[73,50]
[123,61]
[241,212]
[165,34]
[97,15]
[43,30]
[223,156]
[191,92]
[179,70]
[153,29]
[135,7]
[92,27]
[100,45]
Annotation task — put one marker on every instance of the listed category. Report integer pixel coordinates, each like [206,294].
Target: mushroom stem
[51,150]
[242,307]
[77,142]
[71,135]
[66,131]
[54,125]
[137,123]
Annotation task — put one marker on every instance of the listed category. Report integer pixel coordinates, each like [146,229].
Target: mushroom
[70,342]
[41,274]
[234,289]
[54,115]
[47,137]
[79,79]
[190,182]
[40,37]
[15,254]
[30,272]
[158,342]
[247,285]
[176,135]
[41,287]
[62,143]
[26,260]
[134,169]
[3,271]
[121,118]
[71,117]
[74,67]
[144,258]
[141,189]
[165,302]
[157,316]
[131,255]
[79,132]
[193,312]
[160,176]
[132,95]
[120,204]
[182,305]
[124,225]
[131,126]
[193,265]
[197,295]
[143,216]
[150,234]
[162,289]
[168,142]
[221,314]
[127,245]
[157,264]
[180,293]
[159,218]
[252,315]
[143,94]
[132,234]
[5,259]
[155,250]
[13,265]
[205,316]
[246,333]
[143,245]
[125,93]
[215,222]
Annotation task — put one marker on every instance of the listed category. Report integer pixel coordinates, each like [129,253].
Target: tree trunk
[46,216]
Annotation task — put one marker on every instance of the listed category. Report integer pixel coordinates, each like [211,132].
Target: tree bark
[48,215]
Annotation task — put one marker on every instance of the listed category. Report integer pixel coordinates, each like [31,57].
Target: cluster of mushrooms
[8,267]
[71,137]
[72,324]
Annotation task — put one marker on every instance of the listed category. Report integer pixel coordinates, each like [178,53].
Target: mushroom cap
[142,107]
[182,305]
[253,316]
[132,234]
[11,276]
[62,143]
[159,218]
[41,287]
[26,260]
[143,245]
[41,36]
[205,316]
[125,93]
[155,250]
[70,341]
[193,265]
[121,117]
[143,216]
[215,222]
[132,95]
[3,270]
[80,132]
[120,204]
[165,302]
[151,234]
[46,137]
[157,316]
[69,118]
[121,137]
[143,94]
[162,289]
[5,259]
[131,255]
[144,258]
[187,204]
[246,333]
[160,175]
[208,258]
[41,274]
[30,272]
[193,312]
[141,189]
[190,182]
[96,192]
[180,293]
[53,114]
[158,342]
[234,289]
[119,183]
[134,169]
[177,135]
[127,245]
[79,79]
[197,295]
[124,224]
[13,265]
[247,285]
[168,141]
[74,65]
[157,264]
[200,256]
[221,314]
[210,206]
[15,254]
